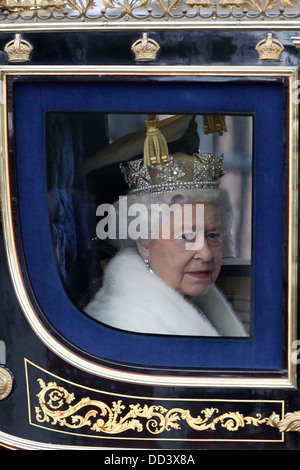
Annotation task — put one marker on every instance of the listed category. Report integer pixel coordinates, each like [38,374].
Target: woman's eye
[213,237]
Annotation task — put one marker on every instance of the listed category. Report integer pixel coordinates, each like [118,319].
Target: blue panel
[264,349]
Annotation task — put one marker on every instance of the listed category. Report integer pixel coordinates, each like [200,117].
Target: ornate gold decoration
[214,123]
[6,383]
[232,3]
[296,41]
[20,6]
[198,3]
[269,48]
[126,6]
[55,408]
[145,49]
[155,146]
[145,10]
[80,6]
[159,172]
[18,50]
[290,422]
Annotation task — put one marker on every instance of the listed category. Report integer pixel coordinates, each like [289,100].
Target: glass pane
[84,174]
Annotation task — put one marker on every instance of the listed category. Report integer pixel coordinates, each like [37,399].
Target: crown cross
[18,50]
[269,48]
[145,49]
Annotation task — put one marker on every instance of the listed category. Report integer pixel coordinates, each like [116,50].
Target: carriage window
[84,152]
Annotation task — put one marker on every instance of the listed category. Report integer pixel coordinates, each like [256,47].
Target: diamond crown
[159,172]
[182,171]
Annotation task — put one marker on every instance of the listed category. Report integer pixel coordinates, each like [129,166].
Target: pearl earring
[147,263]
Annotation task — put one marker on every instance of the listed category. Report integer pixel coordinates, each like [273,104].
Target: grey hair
[219,197]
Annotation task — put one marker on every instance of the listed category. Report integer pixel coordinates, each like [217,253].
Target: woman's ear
[143,249]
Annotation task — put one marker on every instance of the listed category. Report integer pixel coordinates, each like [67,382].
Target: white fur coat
[133,299]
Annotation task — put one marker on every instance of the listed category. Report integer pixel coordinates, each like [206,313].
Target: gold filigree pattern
[262,5]
[126,6]
[83,7]
[290,422]
[156,10]
[56,408]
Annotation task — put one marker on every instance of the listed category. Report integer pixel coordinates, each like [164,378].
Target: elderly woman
[161,284]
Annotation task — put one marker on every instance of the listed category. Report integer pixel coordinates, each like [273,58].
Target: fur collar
[133,299]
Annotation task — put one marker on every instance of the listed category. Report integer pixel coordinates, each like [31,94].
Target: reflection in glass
[72,138]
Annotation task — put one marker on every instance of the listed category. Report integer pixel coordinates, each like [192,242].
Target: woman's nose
[204,252]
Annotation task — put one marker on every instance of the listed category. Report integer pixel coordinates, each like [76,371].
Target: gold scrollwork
[290,422]
[126,6]
[157,10]
[55,408]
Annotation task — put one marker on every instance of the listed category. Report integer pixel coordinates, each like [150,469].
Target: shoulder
[133,299]
[220,313]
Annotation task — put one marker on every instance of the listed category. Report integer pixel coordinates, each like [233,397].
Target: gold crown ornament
[159,172]
[133,144]
[145,49]
[213,123]
[18,50]
[269,48]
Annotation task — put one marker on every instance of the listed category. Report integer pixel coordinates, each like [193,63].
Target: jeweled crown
[18,50]
[159,172]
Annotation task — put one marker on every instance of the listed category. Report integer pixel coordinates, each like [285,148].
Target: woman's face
[189,271]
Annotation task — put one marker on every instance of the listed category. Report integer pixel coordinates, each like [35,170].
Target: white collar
[134,299]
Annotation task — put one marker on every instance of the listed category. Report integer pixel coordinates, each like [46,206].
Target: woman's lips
[200,274]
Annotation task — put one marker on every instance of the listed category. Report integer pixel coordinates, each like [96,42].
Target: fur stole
[133,299]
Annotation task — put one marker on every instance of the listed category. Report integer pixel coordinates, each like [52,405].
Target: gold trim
[118,12]
[130,377]
[12,442]
[104,26]
[155,70]
[60,411]
[55,408]
[296,41]
[293,225]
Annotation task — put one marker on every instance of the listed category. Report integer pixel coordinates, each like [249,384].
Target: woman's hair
[219,197]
